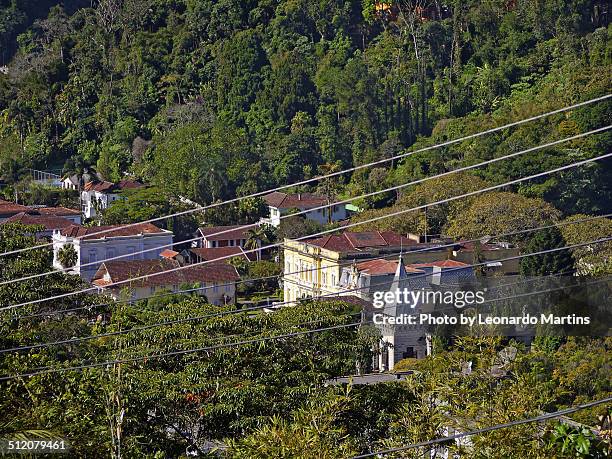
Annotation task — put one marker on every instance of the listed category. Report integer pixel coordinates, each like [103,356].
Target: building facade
[280,204]
[93,249]
[215,281]
[100,195]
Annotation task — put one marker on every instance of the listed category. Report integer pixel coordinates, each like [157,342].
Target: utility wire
[306,211]
[174,353]
[334,174]
[241,281]
[401,212]
[543,417]
[238,311]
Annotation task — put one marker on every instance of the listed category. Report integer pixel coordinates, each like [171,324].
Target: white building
[281,203]
[93,249]
[70,182]
[216,281]
[49,223]
[100,195]
[213,237]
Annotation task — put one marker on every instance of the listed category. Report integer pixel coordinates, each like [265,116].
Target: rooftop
[229,232]
[10,208]
[58,211]
[109,187]
[362,241]
[83,232]
[50,222]
[118,271]
[441,264]
[216,253]
[382,267]
[290,201]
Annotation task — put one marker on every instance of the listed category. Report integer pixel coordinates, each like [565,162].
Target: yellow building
[313,267]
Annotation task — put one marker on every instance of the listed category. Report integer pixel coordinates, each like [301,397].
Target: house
[211,237]
[70,182]
[101,194]
[9,209]
[216,281]
[312,267]
[92,249]
[73,215]
[281,204]
[50,223]
[368,278]
[199,254]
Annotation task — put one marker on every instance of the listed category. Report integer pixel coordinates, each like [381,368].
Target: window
[93,256]
[333,279]
[110,253]
[287,267]
[130,250]
[152,290]
[215,287]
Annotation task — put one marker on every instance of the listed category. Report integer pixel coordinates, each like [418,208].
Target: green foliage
[559,262]
[67,256]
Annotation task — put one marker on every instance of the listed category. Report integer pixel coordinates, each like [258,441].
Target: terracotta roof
[233,232]
[109,187]
[50,222]
[215,253]
[119,271]
[441,264]
[359,241]
[379,267]
[290,201]
[83,232]
[470,245]
[10,208]
[58,211]
[167,253]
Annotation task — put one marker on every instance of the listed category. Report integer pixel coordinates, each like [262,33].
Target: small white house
[70,182]
[100,195]
[93,249]
[281,203]
[216,281]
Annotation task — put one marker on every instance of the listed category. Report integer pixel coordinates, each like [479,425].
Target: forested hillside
[211,99]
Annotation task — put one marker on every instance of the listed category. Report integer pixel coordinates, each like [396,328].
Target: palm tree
[67,256]
[330,186]
[257,236]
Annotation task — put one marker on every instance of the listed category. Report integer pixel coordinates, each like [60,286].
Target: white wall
[90,250]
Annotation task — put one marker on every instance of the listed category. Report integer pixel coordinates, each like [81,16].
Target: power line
[543,417]
[306,211]
[401,212]
[174,353]
[238,311]
[334,174]
[199,289]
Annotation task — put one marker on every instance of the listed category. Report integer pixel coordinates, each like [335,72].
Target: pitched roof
[290,201]
[10,208]
[216,253]
[109,187]
[50,222]
[118,271]
[58,211]
[441,264]
[229,232]
[83,232]
[380,267]
[360,241]
[167,253]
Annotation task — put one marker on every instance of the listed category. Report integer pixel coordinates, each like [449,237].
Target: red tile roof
[59,211]
[10,208]
[50,222]
[441,264]
[350,242]
[290,201]
[83,232]
[167,253]
[231,232]
[119,271]
[109,187]
[379,267]
[216,253]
